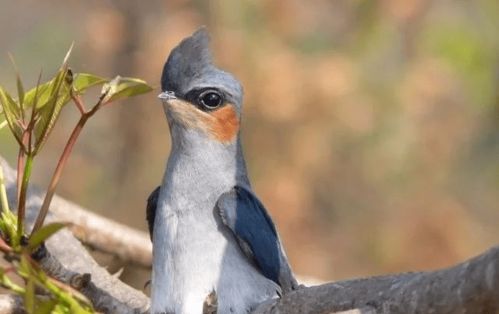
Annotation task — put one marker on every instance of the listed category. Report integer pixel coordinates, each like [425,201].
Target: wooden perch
[67,258]
[11,304]
[470,287]
[105,235]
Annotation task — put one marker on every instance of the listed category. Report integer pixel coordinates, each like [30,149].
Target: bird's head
[199,99]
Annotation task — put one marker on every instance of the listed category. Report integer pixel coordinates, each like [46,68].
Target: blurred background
[371,128]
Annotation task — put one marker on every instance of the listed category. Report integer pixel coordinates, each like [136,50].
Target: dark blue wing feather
[247,218]
[152,203]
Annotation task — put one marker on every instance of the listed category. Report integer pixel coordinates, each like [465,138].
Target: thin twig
[62,163]
[22,196]
[20,169]
[18,77]
[78,102]
[57,173]
[28,152]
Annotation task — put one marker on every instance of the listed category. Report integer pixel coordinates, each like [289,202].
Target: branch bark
[66,257]
[105,235]
[11,304]
[470,287]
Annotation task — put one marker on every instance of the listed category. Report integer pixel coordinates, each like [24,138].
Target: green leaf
[4,202]
[61,309]
[12,113]
[48,114]
[41,98]
[123,87]
[9,105]
[83,81]
[45,90]
[8,225]
[60,89]
[3,122]
[45,307]
[8,284]
[66,57]
[20,88]
[44,233]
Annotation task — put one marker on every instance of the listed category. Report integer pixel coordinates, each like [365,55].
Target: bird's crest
[189,59]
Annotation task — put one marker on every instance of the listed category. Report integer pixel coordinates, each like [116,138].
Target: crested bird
[212,237]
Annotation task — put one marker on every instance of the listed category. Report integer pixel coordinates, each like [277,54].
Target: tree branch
[105,235]
[11,304]
[66,258]
[470,287]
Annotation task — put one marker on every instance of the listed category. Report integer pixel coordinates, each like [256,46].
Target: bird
[212,237]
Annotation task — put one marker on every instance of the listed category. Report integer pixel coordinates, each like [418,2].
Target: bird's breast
[187,258]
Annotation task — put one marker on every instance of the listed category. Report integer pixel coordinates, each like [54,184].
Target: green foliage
[62,298]
[8,227]
[83,81]
[12,114]
[48,113]
[44,233]
[4,205]
[3,122]
[31,118]
[124,87]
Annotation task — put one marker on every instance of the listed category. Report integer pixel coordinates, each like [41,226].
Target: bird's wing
[256,234]
[152,203]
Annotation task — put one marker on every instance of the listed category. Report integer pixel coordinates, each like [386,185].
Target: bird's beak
[166,96]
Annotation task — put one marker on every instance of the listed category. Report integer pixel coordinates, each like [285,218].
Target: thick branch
[470,287]
[68,258]
[105,235]
[11,304]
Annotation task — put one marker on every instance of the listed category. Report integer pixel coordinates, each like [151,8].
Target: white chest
[194,256]
[187,261]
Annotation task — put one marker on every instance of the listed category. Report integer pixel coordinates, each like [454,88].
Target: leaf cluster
[31,117]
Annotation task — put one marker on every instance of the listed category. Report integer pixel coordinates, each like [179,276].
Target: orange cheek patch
[224,124]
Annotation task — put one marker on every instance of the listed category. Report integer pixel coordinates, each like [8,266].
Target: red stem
[4,247]
[62,163]
[58,171]
[79,104]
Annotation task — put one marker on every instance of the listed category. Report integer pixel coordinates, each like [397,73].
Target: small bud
[69,76]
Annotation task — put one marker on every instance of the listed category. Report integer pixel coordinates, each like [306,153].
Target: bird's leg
[210,304]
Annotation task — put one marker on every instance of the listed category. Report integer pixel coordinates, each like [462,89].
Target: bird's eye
[211,99]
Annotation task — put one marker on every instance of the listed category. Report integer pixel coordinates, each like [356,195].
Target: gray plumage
[210,233]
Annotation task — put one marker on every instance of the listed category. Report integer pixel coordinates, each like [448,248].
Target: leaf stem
[62,163]
[21,211]
[3,192]
[78,102]
[57,173]
[21,159]
[4,247]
